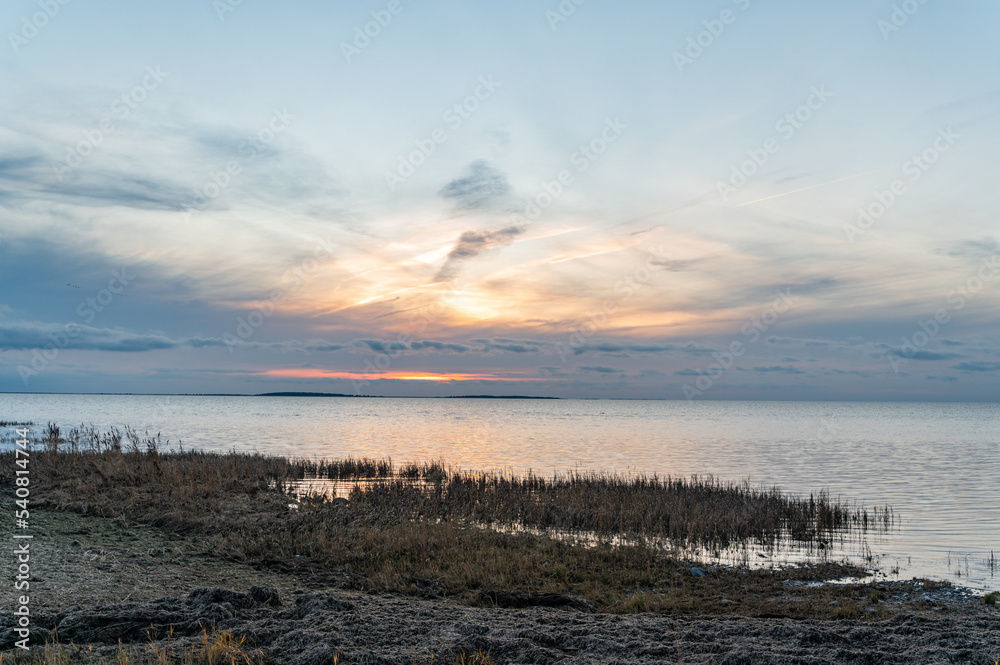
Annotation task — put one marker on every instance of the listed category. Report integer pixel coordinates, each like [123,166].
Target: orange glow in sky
[314,373]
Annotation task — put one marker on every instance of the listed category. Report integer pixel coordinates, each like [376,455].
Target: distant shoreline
[307,394]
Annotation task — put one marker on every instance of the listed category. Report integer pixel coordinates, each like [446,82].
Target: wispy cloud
[977,366]
[482,187]
[473,243]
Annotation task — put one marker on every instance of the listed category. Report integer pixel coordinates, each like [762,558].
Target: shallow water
[937,465]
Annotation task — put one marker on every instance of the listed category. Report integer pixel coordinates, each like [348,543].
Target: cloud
[601,369]
[473,243]
[481,187]
[28,335]
[926,355]
[25,335]
[512,345]
[977,366]
[613,347]
[380,346]
[986,247]
[674,265]
[440,346]
[795,341]
[784,369]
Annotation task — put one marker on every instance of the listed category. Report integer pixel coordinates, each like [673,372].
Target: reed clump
[698,511]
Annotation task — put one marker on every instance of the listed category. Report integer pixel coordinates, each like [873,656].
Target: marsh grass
[213,648]
[420,529]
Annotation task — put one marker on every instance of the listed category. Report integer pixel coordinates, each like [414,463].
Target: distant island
[495,397]
[293,394]
[306,395]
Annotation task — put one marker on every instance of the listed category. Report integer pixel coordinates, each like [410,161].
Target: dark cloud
[601,369]
[481,187]
[977,366]
[926,355]
[612,347]
[27,335]
[515,348]
[381,346]
[473,243]
[509,344]
[440,346]
[784,369]
[480,345]
[794,341]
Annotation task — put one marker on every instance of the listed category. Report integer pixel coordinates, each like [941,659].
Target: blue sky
[724,200]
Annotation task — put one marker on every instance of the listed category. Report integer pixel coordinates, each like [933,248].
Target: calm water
[937,465]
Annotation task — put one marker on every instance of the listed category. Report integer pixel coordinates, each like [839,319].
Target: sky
[732,199]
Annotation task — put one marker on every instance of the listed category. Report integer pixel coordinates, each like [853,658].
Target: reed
[431,530]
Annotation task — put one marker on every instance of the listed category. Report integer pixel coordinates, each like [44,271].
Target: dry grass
[214,648]
[426,537]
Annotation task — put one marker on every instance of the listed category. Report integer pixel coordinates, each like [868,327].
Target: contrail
[802,189]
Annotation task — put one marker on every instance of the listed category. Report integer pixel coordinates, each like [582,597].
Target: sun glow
[316,373]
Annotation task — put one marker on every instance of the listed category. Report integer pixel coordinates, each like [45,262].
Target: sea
[936,464]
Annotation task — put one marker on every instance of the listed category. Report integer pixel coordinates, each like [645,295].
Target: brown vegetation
[427,537]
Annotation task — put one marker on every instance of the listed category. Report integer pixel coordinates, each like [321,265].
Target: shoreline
[130,538]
